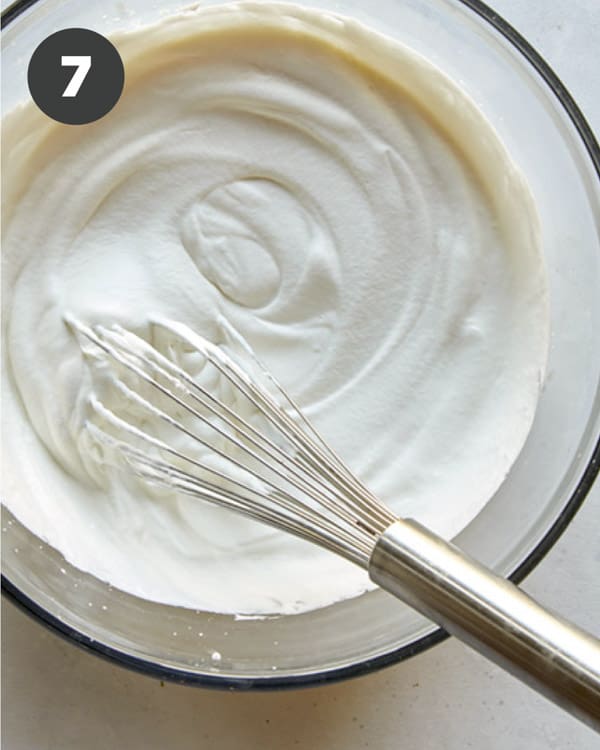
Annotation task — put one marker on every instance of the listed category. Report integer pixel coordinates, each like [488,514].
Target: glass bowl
[550,140]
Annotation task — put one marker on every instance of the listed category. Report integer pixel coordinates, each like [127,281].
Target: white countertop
[55,697]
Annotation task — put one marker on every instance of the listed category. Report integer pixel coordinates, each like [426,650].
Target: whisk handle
[491,615]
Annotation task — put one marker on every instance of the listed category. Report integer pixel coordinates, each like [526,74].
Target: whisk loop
[191,440]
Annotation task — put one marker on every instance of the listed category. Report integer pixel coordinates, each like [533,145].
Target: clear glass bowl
[542,127]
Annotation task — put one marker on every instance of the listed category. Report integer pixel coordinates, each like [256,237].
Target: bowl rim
[365,666]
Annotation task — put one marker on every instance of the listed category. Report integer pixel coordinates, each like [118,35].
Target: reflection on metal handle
[492,616]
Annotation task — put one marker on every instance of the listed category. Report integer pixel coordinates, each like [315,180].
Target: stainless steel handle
[491,615]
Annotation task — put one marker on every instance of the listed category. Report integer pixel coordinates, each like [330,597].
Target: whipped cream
[344,206]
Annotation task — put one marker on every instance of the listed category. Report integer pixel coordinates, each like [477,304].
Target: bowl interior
[373,629]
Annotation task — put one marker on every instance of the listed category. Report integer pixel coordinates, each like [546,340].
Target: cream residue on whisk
[344,206]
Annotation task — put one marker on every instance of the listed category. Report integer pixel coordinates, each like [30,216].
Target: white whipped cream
[345,206]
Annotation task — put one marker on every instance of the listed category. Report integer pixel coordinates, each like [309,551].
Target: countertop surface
[55,697]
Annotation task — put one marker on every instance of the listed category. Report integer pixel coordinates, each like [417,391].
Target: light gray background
[56,697]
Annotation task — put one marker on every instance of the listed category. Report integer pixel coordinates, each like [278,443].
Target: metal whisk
[230,435]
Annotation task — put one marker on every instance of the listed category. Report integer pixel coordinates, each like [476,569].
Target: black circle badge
[76,76]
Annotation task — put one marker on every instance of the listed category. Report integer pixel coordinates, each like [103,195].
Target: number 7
[83,63]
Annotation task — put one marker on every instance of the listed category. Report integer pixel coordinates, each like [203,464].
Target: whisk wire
[334,509]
